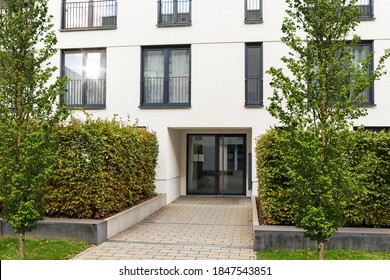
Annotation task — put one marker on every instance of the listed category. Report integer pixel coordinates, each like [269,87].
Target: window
[86,70]
[174,12]
[165,76]
[253,11]
[361,51]
[89,14]
[366,8]
[253,75]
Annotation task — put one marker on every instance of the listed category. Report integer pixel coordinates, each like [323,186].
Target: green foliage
[274,189]
[331,254]
[41,249]
[368,197]
[29,110]
[103,167]
[371,166]
[317,99]
[318,90]
[320,189]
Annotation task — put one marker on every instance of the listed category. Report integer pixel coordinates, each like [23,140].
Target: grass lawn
[307,254]
[41,249]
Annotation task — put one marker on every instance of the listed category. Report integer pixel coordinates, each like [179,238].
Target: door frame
[218,136]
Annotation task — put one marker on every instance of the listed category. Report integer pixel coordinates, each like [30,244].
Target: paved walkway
[191,228]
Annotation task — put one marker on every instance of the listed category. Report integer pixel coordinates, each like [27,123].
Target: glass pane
[254,75]
[95,78]
[232,164]
[253,61]
[96,65]
[153,76]
[166,12]
[167,7]
[201,165]
[253,10]
[183,6]
[179,76]
[183,11]
[73,69]
[360,52]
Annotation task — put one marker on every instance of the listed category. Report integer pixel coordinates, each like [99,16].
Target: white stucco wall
[217,37]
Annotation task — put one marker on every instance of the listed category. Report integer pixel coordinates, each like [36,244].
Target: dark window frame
[253,17]
[165,103]
[84,79]
[371,99]
[87,20]
[367,10]
[260,85]
[175,21]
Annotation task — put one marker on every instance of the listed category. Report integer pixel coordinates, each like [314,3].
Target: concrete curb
[290,237]
[91,231]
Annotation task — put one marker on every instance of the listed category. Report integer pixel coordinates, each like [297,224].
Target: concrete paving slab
[191,227]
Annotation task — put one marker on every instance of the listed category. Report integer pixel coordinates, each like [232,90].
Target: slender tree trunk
[22,243]
[22,235]
[321,248]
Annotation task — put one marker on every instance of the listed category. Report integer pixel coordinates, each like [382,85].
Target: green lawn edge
[41,249]
[309,254]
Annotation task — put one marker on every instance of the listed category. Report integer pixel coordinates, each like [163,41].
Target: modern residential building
[193,71]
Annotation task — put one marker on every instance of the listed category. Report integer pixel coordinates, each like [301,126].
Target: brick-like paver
[191,227]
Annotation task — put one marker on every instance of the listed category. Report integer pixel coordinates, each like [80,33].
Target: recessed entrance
[216,164]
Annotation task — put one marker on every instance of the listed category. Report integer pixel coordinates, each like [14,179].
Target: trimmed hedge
[370,164]
[372,168]
[102,167]
[274,192]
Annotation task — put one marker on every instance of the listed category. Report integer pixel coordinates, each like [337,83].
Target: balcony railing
[86,94]
[175,90]
[254,92]
[174,12]
[253,11]
[89,14]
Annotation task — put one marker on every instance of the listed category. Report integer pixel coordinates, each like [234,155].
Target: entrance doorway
[216,164]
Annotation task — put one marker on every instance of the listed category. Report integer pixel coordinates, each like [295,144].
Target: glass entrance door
[216,164]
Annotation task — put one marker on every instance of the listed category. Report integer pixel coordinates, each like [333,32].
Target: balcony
[89,15]
[253,92]
[174,12]
[90,93]
[171,91]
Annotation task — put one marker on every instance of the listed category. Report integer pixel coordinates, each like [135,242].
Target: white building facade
[193,72]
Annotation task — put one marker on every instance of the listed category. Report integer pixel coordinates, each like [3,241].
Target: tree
[317,101]
[29,111]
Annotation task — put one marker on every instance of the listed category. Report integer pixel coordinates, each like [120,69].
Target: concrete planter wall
[289,237]
[91,231]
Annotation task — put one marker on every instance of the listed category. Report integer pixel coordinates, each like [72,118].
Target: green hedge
[274,191]
[102,168]
[371,167]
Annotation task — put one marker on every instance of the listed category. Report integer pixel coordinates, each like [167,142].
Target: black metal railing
[254,91]
[253,10]
[88,93]
[89,14]
[171,12]
[153,90]
[179,90]
[366,8]
[174,90]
